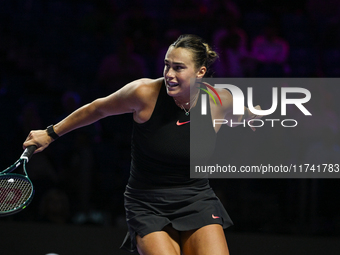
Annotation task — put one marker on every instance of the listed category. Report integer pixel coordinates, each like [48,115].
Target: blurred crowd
[58,55]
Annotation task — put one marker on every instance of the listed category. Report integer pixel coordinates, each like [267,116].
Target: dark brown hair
[203,55]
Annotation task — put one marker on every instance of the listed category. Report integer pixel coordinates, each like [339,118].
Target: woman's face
[180,72]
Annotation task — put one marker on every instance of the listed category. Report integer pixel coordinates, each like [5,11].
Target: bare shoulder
[133,97]
[144,88]
[224,93]
[225,96]
[221,101]
[139,90]
[145,97]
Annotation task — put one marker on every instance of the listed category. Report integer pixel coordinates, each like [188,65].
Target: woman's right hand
[39,138]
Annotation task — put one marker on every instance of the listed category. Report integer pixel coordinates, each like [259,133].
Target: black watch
[51,133]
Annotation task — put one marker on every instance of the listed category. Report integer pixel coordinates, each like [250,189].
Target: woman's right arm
[126,100]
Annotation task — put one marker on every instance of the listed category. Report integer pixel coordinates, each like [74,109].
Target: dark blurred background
[58,55]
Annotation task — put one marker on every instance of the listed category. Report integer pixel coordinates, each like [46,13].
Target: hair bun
[211,54]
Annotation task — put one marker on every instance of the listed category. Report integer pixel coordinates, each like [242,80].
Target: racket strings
[14,192]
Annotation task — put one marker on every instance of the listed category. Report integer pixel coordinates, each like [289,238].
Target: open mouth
[172,84]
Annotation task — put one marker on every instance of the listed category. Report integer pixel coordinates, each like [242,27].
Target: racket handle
[28,152]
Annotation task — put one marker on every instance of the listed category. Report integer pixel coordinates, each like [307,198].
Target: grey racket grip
[28,152]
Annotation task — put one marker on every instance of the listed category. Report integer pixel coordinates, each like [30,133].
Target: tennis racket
[16,190]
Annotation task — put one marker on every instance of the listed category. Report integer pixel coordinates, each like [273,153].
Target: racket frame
[23,160]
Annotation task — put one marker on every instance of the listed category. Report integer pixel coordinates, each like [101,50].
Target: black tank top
[160,147]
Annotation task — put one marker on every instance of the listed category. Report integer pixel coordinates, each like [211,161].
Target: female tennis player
[166,211]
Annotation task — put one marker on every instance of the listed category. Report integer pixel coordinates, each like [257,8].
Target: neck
[187,102]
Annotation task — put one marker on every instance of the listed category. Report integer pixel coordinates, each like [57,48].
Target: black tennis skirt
[185,209]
